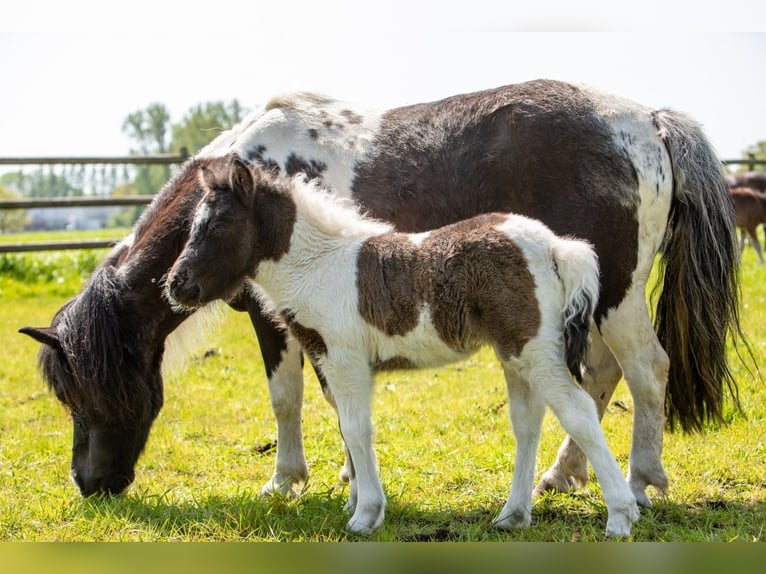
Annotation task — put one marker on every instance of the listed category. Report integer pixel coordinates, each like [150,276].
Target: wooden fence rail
[82,201]
[161,159]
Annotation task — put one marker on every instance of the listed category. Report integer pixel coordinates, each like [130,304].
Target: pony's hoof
[642,499]
[552,482]
[512,520]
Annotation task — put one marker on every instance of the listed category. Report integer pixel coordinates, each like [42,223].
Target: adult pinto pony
[630,180]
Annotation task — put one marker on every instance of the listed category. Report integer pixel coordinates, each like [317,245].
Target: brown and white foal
[360,298]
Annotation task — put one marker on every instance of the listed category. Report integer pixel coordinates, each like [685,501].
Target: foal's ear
[241,179]
[44,335]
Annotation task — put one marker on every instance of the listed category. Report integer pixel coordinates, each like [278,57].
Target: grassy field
[443,439]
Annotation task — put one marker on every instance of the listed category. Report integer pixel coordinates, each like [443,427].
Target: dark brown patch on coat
[310,339]
[312,168]
[474,279]
[257,157]
[275,215]
[393,364]
[351,116]
[386,274]
[539,148]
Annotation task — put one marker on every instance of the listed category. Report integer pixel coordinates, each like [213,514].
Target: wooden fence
[161,159]
[83,201]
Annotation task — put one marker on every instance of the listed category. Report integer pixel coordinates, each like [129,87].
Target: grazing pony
[750,210]
[624,177]
[361,297]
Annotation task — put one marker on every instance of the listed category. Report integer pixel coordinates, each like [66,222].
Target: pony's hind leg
[570,469]
[630,335]
[577,413]
[527,409]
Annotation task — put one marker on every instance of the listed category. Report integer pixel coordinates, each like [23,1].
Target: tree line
[151,132]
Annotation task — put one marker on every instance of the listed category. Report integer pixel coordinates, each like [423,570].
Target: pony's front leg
[527,410]
[352,390]
[347,472]
[286,393]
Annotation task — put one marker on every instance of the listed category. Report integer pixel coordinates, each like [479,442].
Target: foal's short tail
[698,307]
[577,266]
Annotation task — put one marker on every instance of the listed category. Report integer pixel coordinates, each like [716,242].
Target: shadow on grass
[320,517]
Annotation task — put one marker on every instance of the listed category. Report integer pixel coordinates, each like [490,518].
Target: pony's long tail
[577,267]
[698,307]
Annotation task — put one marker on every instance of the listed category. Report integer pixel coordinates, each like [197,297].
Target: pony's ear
[44,335]
[208,176]
[241,180]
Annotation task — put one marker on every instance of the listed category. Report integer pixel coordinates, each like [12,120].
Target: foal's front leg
[352,389]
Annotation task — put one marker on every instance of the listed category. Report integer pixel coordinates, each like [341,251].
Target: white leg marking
[286,391]
[629,333]
[527,410]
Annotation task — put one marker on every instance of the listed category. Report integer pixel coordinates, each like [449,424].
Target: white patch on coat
[284,127]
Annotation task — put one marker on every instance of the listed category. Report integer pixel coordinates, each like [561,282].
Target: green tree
[11,220]
[150,129]
[202,123]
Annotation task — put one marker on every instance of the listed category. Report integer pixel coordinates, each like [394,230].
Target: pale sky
[71,72]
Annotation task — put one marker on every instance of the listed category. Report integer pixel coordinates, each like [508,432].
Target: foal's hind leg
[527,409]
[629,334]
[570,469]
[577,414]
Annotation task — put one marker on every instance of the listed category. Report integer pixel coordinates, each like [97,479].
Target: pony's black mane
[102,369]
[111,384]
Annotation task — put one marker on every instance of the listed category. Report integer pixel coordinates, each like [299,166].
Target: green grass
[443,440]
[60,235]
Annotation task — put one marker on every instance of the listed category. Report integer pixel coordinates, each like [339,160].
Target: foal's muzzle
[182,289]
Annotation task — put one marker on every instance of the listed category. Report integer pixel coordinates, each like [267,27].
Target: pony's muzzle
[182,289]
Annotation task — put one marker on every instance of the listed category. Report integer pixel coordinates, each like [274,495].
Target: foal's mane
[331,214]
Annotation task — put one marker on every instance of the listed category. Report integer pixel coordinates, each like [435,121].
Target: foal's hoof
[619,523]
[365,523]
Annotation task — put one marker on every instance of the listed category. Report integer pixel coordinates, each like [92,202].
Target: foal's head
[244,217]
